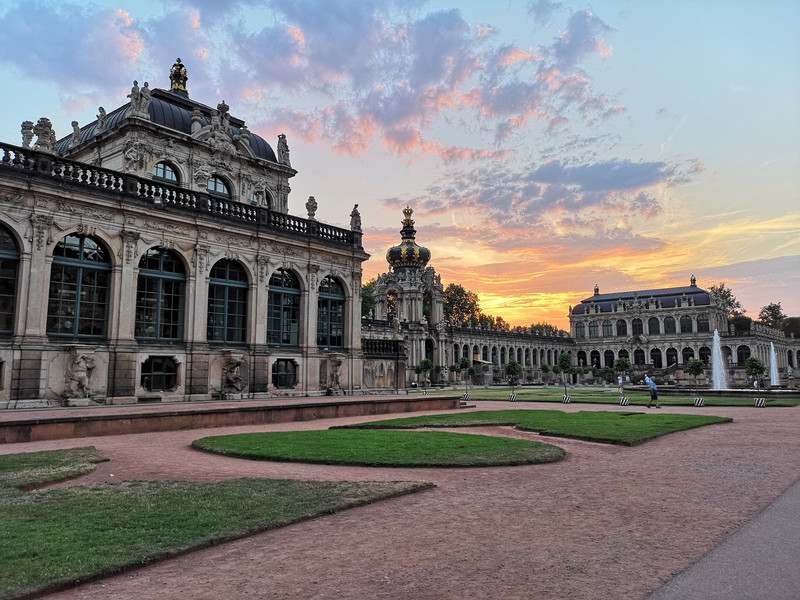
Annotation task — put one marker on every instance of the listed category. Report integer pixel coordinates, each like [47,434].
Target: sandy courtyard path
[606,522]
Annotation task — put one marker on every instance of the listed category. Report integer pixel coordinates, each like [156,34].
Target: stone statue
[46,137]
[76,135]
[134,95]
[355,219]
[140,99]
[283,151]
[144,100]
[77,376]
[232,376]
[102,117]
[27,134]
[311,207]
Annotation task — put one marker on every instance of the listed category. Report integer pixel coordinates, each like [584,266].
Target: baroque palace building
[658,330]
[150,255]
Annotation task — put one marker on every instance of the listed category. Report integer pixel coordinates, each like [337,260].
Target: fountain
[719,381]
[773,366]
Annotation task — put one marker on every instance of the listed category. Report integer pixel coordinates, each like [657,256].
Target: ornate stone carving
[140,100]
[202,174]
[27,133]
[40,232]
[85,211]
[78,375]
[166,228]
[76,135]
[135,154]
[129,239]
[46,137]
[102,118]
[355,219]
[283,151]
[313,271]
[311,207]
[201,258]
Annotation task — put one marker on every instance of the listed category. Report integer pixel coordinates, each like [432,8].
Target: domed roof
[408,254]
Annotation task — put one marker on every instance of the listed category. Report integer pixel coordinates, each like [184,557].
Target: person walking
[619,384]
[653,391]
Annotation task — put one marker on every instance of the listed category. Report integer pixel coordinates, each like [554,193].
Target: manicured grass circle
[383,448]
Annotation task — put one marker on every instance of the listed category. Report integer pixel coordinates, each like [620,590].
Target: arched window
[705,355]
[456,351]
[655,358]
[218,187]
[608,358]
[593,329]
[330,314]
[580,331]
[637,327]
[9,267]
[160,296]
[581,358]
[608,329]
[227,303]
[702,323]
[672,357]
[519,355]
[485,353]
[742,354]
[686,324]
[466,351]
[502,356]
[528,357]
[622,328]
[283,309]
[653,326]
[595,358]
[159,373]
[790,359]
[638,356]
[494,355]
[624,354]
[687,354]
[669,324]
[163,171]
[79,288]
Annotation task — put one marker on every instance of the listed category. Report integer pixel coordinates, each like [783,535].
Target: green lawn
[383,448]
[609,427]
[57,537]
[600,395]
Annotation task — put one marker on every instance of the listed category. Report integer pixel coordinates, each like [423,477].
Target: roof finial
[596,290]
[693,281]
[177,77]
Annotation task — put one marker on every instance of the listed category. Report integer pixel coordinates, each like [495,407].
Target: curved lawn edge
[560,424]
[366,448]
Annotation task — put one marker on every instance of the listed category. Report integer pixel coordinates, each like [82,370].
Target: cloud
[609,175]
[82,46]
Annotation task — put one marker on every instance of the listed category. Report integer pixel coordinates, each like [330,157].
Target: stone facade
[151,256]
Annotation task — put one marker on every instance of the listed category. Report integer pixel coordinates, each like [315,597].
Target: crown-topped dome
[408,254]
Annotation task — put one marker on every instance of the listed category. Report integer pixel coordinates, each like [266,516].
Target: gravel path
[606,522]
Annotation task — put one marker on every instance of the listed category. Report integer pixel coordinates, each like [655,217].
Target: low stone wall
[66,426]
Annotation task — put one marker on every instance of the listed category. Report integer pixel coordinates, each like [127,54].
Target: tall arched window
[581,358]
[163,171]
[742,354]
[227,303]
[687,354]
[330,314]
[622,328]
[608,358]
[672,357]
[637,326]
[653,326]
[594,356]
[593,329]
[702,323]
[608,329]
[79,288]
[160,296]
[623,354]
[9,267]
[655,358]
[283,311]
[218,187]
[669,324]
[686,324]
[638,356]
[705,354]
[580,331]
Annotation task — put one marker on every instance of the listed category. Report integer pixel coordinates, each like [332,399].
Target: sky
[544,147]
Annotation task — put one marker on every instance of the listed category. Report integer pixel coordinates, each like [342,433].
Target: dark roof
[173,111]
[668,297]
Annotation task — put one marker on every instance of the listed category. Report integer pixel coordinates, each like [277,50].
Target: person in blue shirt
[653,391]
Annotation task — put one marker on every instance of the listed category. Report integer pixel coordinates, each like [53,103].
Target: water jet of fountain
[773,366]
[719,381]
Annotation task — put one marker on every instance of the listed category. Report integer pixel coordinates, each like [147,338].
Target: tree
[545,329]
[695,367]
[367,301]
[485,370]
[437,370]
[513,370]
[724,298]
[545,370]
[741,323]
[466,364]
[425,367]
[565,366]
[460,305]
[622,364]
[754,367]
[772,315]
[791,325]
